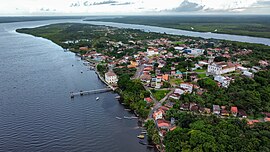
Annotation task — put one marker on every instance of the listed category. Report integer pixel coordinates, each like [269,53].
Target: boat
[97,98]
[143,132]
[142,142]
[118,118]
[141,136]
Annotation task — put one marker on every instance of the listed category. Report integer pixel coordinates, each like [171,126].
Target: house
[216,109]
[224,112]
[133,64]
[152,51]
[148,100]
[234,111]
[158,114]
[146,78]
[176,94]
[184,106]
[220,68]
[165,77]
[251,122]
[111,77]
[194,52]
[178,74]
[266,119]
[242,113]
[163,124]
[187,87]
[225,82]
[248,74]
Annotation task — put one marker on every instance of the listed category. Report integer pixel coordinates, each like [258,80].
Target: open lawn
[159,94]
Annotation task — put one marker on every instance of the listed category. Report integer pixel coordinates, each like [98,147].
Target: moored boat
[141,136]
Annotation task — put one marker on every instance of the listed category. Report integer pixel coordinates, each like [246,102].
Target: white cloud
[128,6]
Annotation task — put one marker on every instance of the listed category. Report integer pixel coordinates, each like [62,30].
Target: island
[192,94]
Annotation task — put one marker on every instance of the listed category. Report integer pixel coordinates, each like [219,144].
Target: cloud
[105,2]
[187,6]
[126,3]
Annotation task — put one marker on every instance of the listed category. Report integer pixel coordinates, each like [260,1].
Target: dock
[81,93]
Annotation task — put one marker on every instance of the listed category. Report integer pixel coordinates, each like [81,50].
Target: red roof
[148,99]
[234,109]
[163,123]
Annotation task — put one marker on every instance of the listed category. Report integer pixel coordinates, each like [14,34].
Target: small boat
[97,98]
[141,136]
[118,118]
[81,71]
[142,142]
[143,132]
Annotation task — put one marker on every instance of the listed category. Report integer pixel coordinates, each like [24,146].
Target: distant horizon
[132,7]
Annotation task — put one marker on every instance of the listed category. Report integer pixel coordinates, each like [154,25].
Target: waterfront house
[216,109]
[242,113]
[111,77]
[158,114]
[163,124]
[234,111]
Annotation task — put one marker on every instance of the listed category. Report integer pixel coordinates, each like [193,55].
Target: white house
[220,68]
[248,74]
[111,77]
[225,82]
[152,51]
[187,87]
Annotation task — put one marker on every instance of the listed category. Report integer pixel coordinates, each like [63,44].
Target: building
[220,68]
[234,111]
[216,109]
[152,51]
[111,77]
[225,82]
[187,87]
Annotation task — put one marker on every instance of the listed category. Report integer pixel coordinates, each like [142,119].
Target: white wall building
[152,51]
[220,68]
[111,77]
[187,87]
[225,82]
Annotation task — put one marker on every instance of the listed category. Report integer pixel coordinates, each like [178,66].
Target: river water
[36,112]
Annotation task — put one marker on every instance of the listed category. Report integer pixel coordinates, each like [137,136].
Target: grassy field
[258,26]
[159,94]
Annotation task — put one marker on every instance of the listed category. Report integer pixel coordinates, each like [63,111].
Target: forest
[212,134]
[251,25]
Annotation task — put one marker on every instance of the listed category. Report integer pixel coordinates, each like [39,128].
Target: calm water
[36,112]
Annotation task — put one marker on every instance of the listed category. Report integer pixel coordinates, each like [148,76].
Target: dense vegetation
[152,132]
[241,25]
[132,94]
[72,36]
[205,134]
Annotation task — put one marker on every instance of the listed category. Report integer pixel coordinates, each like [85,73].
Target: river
[36,111]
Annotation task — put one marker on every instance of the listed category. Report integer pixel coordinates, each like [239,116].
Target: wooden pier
[81,93]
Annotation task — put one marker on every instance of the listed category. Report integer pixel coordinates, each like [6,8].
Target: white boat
[118,118]
[97,98]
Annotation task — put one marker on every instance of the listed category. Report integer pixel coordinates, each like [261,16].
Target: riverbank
[248,25]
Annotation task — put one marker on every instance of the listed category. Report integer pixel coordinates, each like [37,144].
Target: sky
[132,7]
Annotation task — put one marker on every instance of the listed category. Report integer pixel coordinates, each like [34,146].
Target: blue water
[36,112]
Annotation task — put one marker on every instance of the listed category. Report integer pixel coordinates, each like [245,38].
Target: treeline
[212,134]
[132,94]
